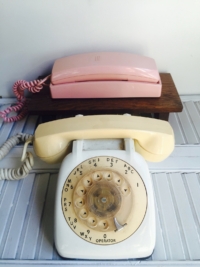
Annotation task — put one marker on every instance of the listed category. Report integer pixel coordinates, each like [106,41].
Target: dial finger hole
[97,176]
[125,189]
[81,191]
[103,224]
[118,180]
[92,221]
[108,176]
[80,202]
[83,213]
[87,182]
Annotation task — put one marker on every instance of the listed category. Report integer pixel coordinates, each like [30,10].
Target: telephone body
[105,75]
[104,198]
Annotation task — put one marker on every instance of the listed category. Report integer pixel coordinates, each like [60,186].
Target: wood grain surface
[42,104]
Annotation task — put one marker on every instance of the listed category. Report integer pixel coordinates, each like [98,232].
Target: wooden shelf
[42,103]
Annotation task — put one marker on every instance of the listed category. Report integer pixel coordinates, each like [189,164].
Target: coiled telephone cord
[27,157]
[18,89]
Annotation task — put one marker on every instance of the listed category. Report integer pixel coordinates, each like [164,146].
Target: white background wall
[33,33]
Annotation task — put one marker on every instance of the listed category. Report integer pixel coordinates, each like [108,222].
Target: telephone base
[85,230]
[105,89]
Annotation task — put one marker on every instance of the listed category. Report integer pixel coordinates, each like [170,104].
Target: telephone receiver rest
[154,139]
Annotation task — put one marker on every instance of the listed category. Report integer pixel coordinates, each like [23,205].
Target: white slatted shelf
[46,248]
[179,137]
[168,218]
[194,117]
[27,207]
[187,224]
[20,203]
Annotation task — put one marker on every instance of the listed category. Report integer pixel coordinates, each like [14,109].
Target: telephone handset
[154,139]
[104,199]
[105,75]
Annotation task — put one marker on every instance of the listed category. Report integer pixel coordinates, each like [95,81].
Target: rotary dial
[104,200]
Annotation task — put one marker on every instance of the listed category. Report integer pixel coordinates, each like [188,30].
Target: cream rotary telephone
[104,199]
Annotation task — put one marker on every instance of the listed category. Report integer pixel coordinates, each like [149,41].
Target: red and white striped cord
[18,89]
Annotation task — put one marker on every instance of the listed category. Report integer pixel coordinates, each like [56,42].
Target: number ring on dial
[97,198]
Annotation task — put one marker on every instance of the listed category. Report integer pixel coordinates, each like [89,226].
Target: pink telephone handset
[105,75]
[93,75]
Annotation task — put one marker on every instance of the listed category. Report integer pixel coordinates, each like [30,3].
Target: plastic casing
[154,139]
[138,245]
[105,75]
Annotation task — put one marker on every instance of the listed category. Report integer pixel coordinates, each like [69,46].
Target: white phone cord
[27,157]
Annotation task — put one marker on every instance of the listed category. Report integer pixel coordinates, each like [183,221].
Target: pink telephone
[105,75]
[93,75]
